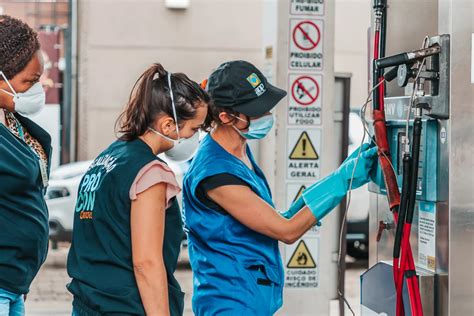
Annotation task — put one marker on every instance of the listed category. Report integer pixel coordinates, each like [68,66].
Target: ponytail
[150,97]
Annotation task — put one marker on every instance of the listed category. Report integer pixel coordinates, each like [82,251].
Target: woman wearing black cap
[233,228]
[25,151]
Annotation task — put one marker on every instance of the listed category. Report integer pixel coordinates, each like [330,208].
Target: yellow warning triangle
[301,258]
[300,191]
[304,149]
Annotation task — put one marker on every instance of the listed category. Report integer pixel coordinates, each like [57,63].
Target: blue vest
[237,271]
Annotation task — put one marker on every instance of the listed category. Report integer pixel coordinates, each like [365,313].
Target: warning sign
[302,264]
[307,7]
[301,258]
[300,191]
[303,154]
[304,149]
[305,100]
[293,192]
[306,44]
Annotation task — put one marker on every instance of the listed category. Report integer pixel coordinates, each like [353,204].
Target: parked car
[62,191]
[358,214]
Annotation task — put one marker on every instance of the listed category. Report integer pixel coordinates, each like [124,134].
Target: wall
[118,40]
[351,25]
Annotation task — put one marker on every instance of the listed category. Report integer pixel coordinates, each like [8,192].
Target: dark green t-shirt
[23,211]
[100,259]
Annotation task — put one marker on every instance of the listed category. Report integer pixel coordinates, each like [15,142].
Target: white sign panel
[304,149]
[427,236]
[307,7]
[306,44]
[302,264]
[305,99]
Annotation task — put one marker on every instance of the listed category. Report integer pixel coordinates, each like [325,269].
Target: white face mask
[183,148]
[29,102]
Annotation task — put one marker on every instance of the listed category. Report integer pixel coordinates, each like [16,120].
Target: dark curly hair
[18,44]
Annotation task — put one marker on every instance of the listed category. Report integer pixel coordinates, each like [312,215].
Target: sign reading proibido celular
[306,44]
[307,7]
[304,147]
[305,99]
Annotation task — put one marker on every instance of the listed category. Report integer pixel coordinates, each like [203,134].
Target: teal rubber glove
[354,154]
[294,208]
[327,193]
[322,197]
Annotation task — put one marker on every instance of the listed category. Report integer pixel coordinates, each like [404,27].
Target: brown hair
[150,97]
[212,119]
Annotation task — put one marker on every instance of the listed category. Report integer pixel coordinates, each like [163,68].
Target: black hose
[383,30]
[415,152]
[375,93]
[403,204]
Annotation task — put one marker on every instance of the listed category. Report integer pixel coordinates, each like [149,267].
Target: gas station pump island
[418,113]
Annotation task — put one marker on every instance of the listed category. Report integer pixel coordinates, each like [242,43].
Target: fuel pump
[411,128]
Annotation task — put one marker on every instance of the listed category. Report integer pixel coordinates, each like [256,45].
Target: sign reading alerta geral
[305,99]
[304,147]
[306,44]
[307,7]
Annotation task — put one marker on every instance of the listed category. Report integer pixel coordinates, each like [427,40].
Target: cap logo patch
[254,80]
[257,84]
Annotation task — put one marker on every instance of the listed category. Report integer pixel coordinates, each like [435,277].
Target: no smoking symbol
[306,35]
[305,90]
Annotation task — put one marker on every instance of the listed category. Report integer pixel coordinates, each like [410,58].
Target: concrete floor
[48,295]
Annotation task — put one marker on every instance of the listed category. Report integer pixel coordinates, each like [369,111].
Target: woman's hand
[323,196]
[148,225]
[363,167]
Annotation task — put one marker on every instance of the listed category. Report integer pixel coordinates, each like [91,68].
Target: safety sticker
[300,191]
[304,149]
[307,7]
[304,146]
[301,264]
[293,192]
[443,135]
[306,44]
[427,236]
[305,100]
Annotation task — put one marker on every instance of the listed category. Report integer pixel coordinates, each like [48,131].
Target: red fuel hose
[406,262]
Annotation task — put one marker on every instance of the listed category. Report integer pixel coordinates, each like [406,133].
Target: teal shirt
[23,212]
[100,259]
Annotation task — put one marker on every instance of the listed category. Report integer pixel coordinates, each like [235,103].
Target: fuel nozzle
[379,6]
[407,58]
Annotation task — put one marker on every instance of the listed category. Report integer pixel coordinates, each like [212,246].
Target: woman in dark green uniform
[127,223]
[25,151]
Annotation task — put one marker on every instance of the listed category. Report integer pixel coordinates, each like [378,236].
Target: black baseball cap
[239,85]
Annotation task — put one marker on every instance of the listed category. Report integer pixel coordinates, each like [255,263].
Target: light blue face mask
[258,128]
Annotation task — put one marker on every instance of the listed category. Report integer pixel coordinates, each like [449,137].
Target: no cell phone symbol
[304,149]
[306,35]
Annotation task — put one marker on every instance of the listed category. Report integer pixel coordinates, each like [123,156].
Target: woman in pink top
[127,223]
